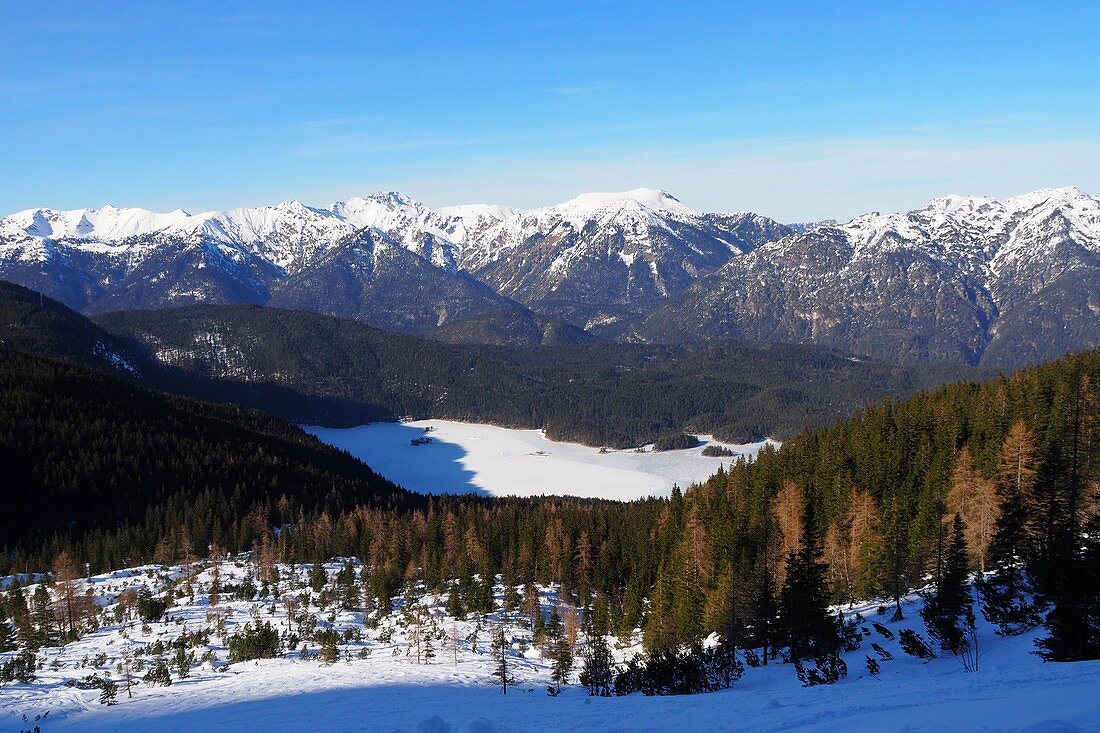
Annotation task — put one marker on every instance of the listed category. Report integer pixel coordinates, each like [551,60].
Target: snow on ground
[477,458]
[383,689]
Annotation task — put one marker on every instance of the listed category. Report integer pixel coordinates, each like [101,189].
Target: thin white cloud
[585,90]
[791,180]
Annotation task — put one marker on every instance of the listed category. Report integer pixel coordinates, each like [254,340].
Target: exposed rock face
[963,279]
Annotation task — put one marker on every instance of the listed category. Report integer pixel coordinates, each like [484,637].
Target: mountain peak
[653,199]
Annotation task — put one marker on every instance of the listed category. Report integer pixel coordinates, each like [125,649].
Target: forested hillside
[339,372]
[109,469]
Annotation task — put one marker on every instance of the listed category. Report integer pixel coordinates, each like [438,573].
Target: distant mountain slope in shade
[368,278]
[31,322]
[963,279]
[511,326]
[596,393]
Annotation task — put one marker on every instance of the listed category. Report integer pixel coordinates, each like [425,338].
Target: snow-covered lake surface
[485,459]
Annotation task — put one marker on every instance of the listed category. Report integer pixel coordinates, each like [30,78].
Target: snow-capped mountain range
[963,278]
[956,279]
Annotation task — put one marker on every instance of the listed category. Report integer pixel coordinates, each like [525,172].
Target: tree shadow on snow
[434,467]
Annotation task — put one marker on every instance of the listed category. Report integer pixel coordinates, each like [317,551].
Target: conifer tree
[807,627]
[530,603]
[7,633]
[561,656]
[511,598]
[429,649]
[1071,587]
[42,618]
[126,669]
[976,500]
[598,662]
[65,585]
[455,607]
[1005,599]
[108,693]
[945,610]
[502,673]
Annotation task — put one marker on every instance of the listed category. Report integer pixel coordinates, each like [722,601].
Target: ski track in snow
[386,692]
[485,459]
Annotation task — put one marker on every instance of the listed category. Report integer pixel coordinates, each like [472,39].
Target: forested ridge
[99,464]
[340,372]
[320,370]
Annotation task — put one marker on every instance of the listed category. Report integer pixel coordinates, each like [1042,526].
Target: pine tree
[158,674]
[318,578]
[502,674]
[561,655]
[7,632]
[42,619]
[429,649]
[329,652]
[808,628]
[896,540]
[945,609]
[215,575]
[108,693]
[455,607]
[598,663]
[1072,589]
[511,598]
[530,603]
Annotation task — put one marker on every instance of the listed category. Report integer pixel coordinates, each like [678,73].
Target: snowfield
[376,684]
[475,458]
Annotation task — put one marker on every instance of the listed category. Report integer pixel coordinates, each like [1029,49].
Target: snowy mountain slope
[369,277]
[598,256]
[966,279]
[378,683]
[416,227]
[103,260]
[601,256]
[103,225]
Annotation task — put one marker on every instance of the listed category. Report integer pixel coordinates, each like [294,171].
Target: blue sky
[796,110]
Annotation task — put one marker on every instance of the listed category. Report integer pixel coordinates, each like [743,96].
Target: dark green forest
[310,368]
[93,461]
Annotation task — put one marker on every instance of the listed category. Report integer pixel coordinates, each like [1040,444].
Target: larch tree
[1005,593]
[976,500]
[788,511]
[65,583]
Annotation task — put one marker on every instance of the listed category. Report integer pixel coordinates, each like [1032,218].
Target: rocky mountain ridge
[963,278]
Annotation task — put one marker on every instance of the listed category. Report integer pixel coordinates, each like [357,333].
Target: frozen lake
[485,459]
